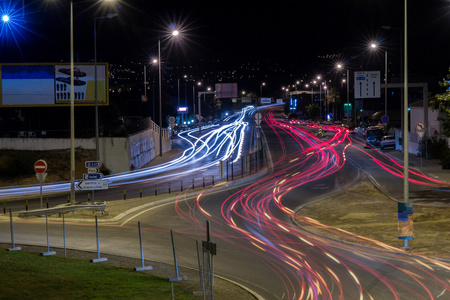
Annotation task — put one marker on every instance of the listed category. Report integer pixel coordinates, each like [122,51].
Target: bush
[18,164]
[436,148]
[445,161]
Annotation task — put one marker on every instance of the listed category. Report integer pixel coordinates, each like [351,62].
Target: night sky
[288,32]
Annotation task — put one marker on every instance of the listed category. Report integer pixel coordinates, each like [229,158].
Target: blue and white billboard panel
[50,84]
[28,85]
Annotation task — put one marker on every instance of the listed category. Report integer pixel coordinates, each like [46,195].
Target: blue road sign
[93,176]
[93,164]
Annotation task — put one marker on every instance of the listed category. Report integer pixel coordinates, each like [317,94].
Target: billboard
[31,85]
[226,90]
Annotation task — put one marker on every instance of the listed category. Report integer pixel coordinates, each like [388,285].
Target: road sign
[258,118]
[40,166]
[420,133]
[92,164]
[92,175]
[367,84]
[93,184]
[385,119]
[93,170]
[420,126]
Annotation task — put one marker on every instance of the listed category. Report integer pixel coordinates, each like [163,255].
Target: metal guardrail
[63,208]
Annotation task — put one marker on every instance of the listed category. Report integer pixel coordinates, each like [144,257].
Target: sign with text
[367,84]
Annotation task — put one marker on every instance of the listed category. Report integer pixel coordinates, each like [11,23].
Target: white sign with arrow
[367,84]
[85,185]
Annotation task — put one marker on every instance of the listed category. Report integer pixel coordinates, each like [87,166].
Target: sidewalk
[430,167]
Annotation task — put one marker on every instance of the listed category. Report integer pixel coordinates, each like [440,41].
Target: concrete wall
[116,153]
[35,144]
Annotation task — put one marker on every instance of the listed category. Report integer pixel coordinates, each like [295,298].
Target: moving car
[387,141]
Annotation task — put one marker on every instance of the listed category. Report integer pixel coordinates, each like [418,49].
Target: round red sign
[40,166]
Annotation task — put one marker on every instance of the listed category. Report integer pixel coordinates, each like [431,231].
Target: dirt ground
[366,216]
[58,165]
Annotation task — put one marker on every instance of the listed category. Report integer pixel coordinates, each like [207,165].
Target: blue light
[5,18]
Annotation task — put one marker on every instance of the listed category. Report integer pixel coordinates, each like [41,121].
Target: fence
[180,256]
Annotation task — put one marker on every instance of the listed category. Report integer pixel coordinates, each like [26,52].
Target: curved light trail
[311,266]
[217,143]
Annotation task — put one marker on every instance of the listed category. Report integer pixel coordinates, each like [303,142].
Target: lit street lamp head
[175,33]
[5,18]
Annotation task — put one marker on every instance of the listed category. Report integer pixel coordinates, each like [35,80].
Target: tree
[441,103]
[333,98]
[313,111]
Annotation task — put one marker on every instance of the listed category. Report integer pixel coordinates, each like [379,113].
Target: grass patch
[29,276]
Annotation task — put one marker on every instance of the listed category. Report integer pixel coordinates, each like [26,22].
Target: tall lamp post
[374,46]
[72,113]
[348,90]
[174,33]
[109,16]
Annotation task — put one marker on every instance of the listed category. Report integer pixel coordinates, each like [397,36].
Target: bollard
[169,187]
[89,197]
[47,202]
[193,186]
[181,186]
[156,190]
[4,207]
[68,198]
[140,192]
[124,194]
[213,180]
[203,182]
[26,205]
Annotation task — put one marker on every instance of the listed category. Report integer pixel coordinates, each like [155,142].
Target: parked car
[387,141]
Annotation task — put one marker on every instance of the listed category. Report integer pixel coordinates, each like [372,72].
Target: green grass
[30,276]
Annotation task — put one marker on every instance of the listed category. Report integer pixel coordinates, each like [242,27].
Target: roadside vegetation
[30,276]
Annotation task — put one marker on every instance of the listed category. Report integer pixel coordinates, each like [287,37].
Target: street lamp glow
[373,45]
[175,32]
[5,18]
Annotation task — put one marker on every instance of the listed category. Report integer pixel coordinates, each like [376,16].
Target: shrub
[18,164]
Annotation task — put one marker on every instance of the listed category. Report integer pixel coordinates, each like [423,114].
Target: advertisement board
[226,90]
[31,85]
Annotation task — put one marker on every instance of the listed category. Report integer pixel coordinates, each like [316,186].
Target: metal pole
[160,98]
[14,248]
[95,89]
[72,113]
[405,112]
[143,267]
[64,236]
[385,81]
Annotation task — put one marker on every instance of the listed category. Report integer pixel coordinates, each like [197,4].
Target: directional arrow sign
[93,184]
[93,170]
[92,164]
[93,176]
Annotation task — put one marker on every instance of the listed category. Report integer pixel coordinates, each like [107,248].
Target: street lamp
[341,67]
[109,16]
[375,46]
[174,33]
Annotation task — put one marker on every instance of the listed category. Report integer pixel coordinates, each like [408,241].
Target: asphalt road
[259,244]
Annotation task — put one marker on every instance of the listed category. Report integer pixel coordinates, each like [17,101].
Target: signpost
[420,131]
[93,185]
[93,179]
[384,120]
[40,167]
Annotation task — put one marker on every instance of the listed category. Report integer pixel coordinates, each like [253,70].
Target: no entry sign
[40,166]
